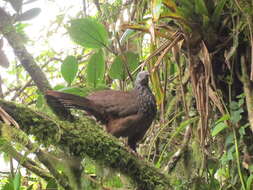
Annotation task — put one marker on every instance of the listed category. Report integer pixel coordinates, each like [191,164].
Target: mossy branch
[26,162]
[83,138]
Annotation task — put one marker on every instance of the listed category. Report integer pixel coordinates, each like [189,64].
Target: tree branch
[26,162]
[17,43]
[83,138]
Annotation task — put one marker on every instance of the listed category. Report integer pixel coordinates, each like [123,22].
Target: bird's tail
[74,101]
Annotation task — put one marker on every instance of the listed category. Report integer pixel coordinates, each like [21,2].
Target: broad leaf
[236,116]
[96,69]
[118,70]
[223,118]
[69,69]
[88,33]
[75,91]
[218,128]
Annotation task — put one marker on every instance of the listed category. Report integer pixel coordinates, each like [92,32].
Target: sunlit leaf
[40,101]
[69,69]
[218,128]
[250,182]
[179,18]
[84,91]
[170,4]
[88,33]
[223,118]
[156,9]
[17,181]
[114,182]
[8,186]
[118,71]
[75,91]
[30,187]
[96,69]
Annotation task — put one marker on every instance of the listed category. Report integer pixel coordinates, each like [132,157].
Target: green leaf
[30,187]
[76,91]
[8,186]
[218,128]
[118,71]
[249,182]
[217,12]
[88,33]
[114,182]
[233,105]
[69,69]
[81,91]
[236,116]
[170,4]
[200,7]
[96,69]
[40,101]
[223,118]
[52,185]
[17,181]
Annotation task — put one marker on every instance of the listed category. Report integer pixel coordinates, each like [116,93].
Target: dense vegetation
[199,54]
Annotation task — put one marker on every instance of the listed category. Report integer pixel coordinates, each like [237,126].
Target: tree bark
[17,43]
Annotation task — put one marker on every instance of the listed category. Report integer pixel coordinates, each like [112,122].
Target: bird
[124,113]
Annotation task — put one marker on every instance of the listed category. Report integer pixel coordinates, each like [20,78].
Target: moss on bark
[84,138]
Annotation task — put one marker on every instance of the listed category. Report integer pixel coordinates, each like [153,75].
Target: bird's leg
[132,143]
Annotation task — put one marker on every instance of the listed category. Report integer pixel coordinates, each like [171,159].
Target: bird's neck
[141,87]
[146,100]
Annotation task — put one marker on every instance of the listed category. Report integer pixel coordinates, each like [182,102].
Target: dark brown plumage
[125,114]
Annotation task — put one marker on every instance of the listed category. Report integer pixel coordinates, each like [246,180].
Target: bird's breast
[147,103]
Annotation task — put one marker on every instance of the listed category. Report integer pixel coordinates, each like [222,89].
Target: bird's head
[142,78]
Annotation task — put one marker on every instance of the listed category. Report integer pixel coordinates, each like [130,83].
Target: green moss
[85,138]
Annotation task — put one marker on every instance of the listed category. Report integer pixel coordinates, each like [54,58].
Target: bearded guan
[125,114]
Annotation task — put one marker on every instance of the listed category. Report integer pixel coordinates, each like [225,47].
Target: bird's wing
[116,103]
